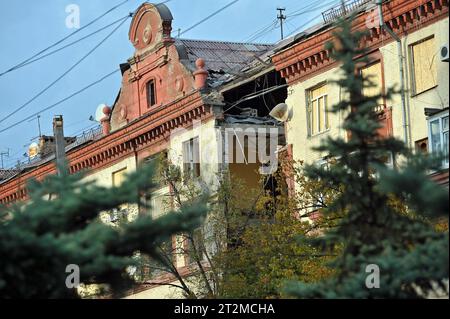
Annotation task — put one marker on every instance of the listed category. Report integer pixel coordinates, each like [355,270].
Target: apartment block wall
[437,97]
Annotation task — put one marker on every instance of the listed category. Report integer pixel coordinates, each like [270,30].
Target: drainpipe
[401,70]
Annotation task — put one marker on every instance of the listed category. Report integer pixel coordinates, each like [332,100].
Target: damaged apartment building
[212,107]
[202,104]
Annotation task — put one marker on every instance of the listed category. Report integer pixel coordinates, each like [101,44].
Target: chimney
[105,121]
[200,75]
[58,133]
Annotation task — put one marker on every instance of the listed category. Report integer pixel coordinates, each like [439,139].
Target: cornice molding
[142,133]
[309,56]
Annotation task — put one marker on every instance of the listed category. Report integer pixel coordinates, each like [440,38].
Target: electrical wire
[262,31]
[60,101]
[72,43]
[254,95]
[64,38]
[209,17]
[65,73]
[304,25]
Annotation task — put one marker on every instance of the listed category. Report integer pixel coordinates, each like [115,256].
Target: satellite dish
[33,150]
[99,112]
[280,112]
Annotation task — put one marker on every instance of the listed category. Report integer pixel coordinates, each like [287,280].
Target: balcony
[343,9]
[384,115]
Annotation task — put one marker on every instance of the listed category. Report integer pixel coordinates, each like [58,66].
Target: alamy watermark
[73,17]
[230,144]
[373,279]
[73,277]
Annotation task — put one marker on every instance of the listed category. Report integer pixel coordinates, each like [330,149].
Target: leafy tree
[411,255]
[266,252]
[199,281]
[246,248]
[60,225]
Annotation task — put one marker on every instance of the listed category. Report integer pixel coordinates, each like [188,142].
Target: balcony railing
[341,10]
[86,136]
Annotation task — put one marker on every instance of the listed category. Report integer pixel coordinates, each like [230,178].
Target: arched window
[151,93]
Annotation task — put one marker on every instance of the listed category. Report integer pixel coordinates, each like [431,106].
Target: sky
[26,27]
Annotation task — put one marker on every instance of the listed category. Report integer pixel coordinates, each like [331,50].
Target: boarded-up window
[118,177]
[318,106]
[423,62]
[373,74]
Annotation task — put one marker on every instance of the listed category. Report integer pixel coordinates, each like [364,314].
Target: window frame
[151,93]
[191,168]
[412,68]
[309,109]
[377,60]
[123,170]
[442,132]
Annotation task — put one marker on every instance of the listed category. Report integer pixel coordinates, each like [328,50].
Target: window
[118,177]
[373,74]
[438,135]
[120,213]
[423,64]
[158,197]
[191,158]
[151,93]
[160,202]
[318,114]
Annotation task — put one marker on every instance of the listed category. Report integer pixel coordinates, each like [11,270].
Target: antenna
[281,17]
[6,154]
[280,112]
[98,113]
[38,118]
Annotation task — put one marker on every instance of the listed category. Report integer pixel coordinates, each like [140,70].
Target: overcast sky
[26,27]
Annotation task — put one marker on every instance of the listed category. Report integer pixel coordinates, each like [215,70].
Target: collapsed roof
[224,60]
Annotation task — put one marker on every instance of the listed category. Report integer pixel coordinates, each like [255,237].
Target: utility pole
[6,154]
[281,17]
[58,133]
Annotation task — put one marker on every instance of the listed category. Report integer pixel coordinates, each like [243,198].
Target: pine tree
[61,225]
[405,248]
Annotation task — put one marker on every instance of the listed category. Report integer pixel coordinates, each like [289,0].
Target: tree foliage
[60,225]
[410,253]
[265,253]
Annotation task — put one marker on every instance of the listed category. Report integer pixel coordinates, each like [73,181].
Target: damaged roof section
[224,61]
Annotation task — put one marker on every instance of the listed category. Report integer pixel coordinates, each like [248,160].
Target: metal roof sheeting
[222,59]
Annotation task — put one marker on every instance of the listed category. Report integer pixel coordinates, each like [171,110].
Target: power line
[308,9]
[64,74]
[209,17]
[72,43]
[272,26]
[65,38]
[60,101]
[262,31]
[305,24]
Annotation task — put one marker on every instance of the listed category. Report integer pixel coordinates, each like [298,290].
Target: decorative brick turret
[105,121]
[200,75]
